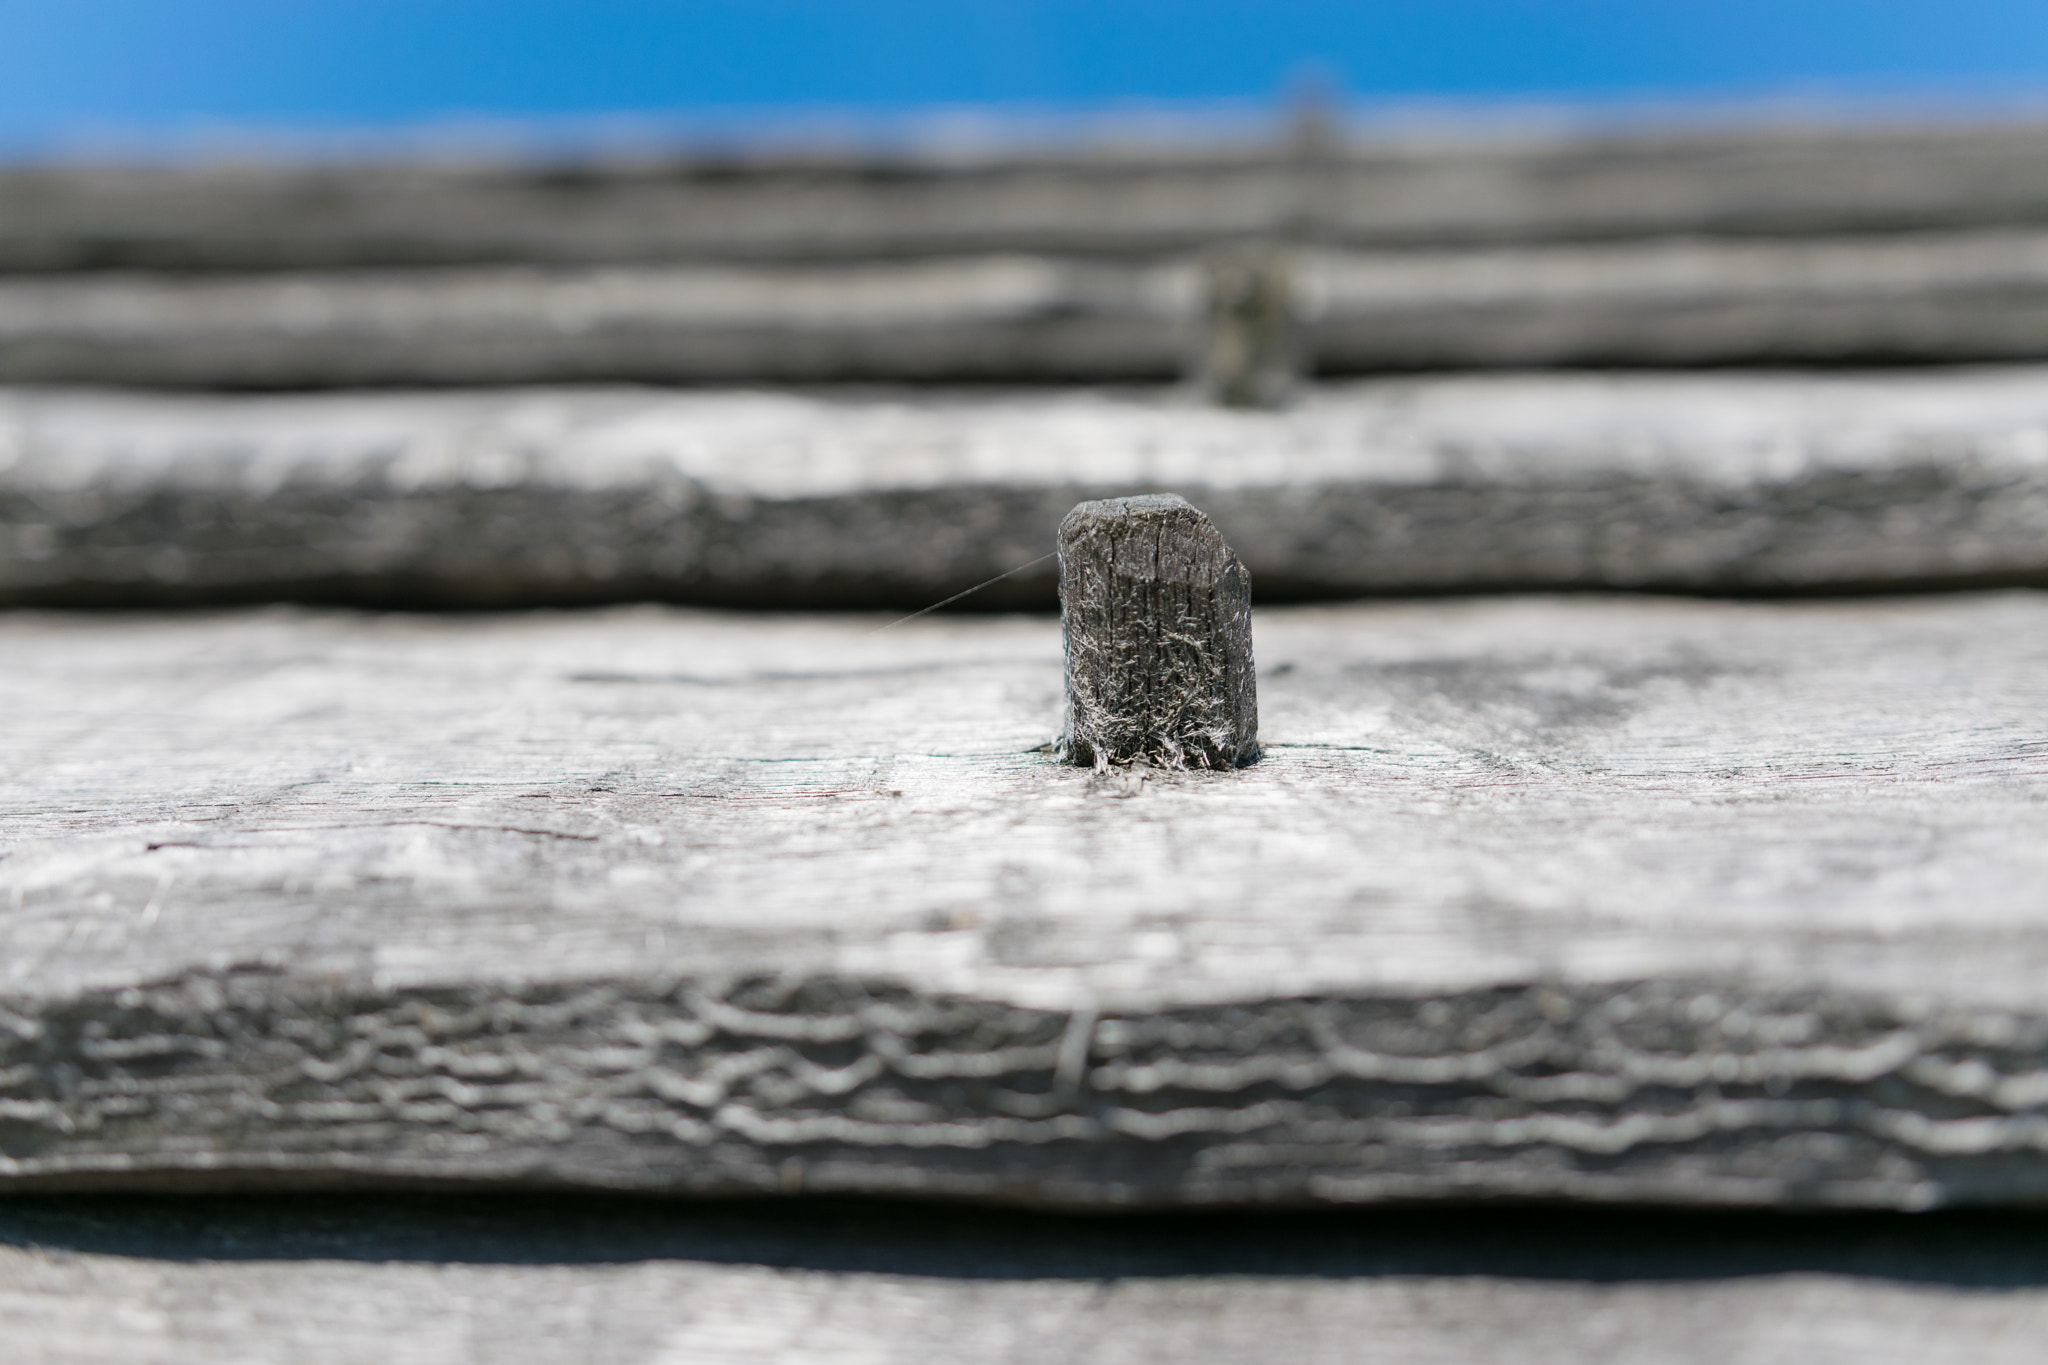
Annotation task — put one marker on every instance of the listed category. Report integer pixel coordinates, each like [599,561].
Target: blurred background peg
[1251,353]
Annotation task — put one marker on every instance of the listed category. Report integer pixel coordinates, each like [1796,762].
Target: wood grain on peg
[1156,613]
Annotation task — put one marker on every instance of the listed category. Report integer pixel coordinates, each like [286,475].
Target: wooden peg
[1156,612]
[1251,344]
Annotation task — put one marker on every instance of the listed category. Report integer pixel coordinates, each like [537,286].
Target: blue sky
[83,69]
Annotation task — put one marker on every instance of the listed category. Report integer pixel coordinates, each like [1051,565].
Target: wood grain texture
[1156,621]
[1535,185]
[1946,296]
[502,1281]
[1701,483]
[1580,898]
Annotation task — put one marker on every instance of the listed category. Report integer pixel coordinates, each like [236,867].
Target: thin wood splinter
[1156,612]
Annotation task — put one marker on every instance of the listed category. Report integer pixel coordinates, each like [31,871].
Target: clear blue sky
[72,68]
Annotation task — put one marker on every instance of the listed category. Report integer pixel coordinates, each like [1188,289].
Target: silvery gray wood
[1526,184]
[1013,317]
[1251,332]
[1573,898]
[1917,296]
[1703,483]
[422,1283]
[1977,294]
[1156,623]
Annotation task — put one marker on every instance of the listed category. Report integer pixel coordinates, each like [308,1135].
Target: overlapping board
[489,1280]
[1979,294]
[1768,483]
[1592,898]
[1526,179]
[1765,242]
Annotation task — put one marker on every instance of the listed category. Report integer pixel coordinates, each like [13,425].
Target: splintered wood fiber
[1156,613]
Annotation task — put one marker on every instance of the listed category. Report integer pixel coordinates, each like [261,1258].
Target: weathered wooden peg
[1251,349]
[1156,612]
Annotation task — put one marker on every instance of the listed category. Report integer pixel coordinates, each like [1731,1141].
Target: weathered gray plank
[981,318]
[1420,191]
[1717,483]
[430,1283]
[1936,296]
[1933,296]
[1582,898]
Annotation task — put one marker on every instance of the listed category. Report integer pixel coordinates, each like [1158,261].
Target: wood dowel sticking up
[1252,340]
[1156,612]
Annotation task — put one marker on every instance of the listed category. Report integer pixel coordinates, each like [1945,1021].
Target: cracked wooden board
[1581,898]
[1949,296]
[432,1281]
[1705,483]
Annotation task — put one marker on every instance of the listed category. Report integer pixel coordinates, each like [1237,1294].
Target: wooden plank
[1532,186]
[979,318]
[1701,483]
[505,1281]
[1571,898]
[1925,296]
[1936,296]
